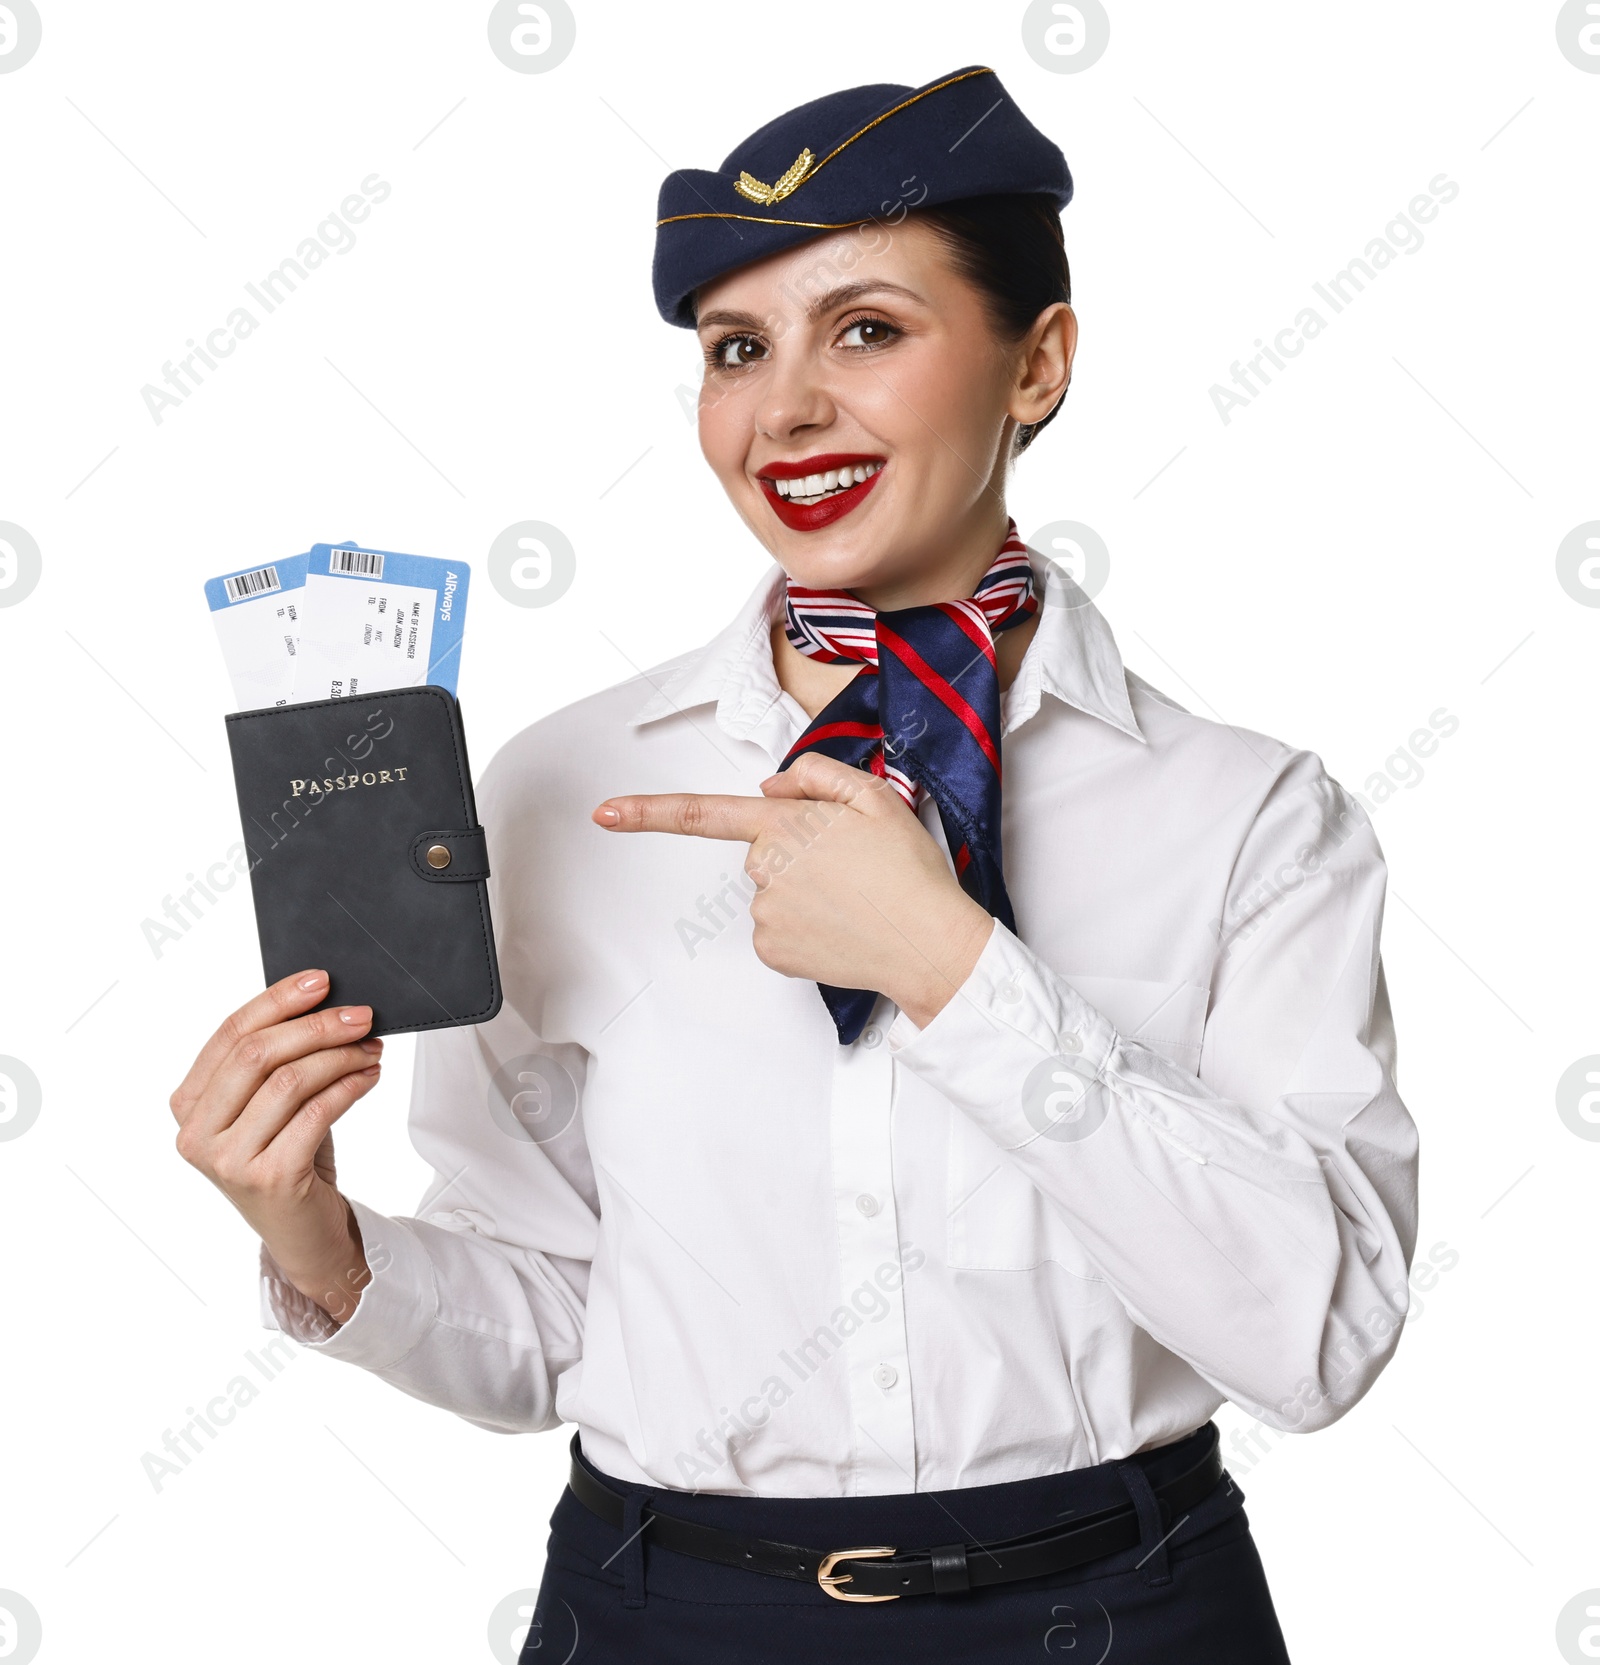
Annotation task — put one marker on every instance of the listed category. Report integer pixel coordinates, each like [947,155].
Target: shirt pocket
[995,1219]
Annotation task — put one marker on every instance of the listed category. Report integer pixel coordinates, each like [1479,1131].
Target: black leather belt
[884,1573]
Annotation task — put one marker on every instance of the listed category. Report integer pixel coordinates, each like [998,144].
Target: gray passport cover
[366,857]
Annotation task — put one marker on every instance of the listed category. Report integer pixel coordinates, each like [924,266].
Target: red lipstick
[811,517]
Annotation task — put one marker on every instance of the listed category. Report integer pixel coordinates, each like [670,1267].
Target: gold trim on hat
[763,219]
[750,187]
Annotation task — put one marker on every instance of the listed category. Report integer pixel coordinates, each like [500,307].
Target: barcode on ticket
[263,581]
[357,563]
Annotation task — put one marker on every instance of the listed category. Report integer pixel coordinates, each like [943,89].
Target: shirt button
[1009,992]
[1072,1041]
[867,1203]
[871,1037]
[886,1376]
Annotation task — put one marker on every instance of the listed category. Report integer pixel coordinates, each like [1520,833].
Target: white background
[1372,539]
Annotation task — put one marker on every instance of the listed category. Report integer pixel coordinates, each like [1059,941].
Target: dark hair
[1012,249]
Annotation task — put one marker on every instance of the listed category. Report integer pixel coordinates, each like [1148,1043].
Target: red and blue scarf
[924,713]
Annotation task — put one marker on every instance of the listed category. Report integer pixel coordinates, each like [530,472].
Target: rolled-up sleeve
[476,1303]
[1256,1217]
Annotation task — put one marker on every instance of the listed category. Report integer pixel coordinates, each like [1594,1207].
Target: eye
[735,352]
[867,333]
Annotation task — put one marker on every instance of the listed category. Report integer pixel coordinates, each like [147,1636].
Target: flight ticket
[339,619]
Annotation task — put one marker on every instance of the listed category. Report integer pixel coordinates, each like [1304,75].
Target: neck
[952,574]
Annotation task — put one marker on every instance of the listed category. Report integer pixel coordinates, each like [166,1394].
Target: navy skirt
[1197,1596]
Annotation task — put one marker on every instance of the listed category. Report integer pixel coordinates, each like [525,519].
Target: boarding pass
[341,619]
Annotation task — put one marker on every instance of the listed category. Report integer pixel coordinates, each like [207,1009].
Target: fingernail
[607,817]
[372,1045]
[312,980]
[372,1069]
[356,1014]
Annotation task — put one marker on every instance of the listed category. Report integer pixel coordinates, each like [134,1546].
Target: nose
[796,400]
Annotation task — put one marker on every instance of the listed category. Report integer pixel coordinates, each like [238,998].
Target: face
[859,408]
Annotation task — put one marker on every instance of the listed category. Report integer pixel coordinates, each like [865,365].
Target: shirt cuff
[1016,1047]
[393,1313]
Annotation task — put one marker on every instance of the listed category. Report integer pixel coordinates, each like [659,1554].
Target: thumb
[826,779]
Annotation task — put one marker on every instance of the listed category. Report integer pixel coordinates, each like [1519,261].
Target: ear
[1044,364]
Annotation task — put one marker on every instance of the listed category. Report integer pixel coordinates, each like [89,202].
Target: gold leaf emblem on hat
[747,185]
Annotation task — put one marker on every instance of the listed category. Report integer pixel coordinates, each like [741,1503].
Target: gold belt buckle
[829,1579]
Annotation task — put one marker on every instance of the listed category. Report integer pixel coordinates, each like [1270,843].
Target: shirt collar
[1073,656]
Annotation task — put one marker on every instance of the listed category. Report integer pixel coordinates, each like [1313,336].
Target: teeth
[814,487]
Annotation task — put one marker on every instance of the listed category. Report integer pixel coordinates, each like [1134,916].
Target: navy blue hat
[867,153]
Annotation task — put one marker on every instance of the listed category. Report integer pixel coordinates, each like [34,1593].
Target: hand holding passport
[367,859]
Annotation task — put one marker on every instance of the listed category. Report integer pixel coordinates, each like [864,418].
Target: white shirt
[1149,1157]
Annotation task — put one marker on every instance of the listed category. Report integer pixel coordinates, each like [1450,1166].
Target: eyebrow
[845,294]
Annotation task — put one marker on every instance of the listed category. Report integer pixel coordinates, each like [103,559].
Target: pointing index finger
[690,814]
